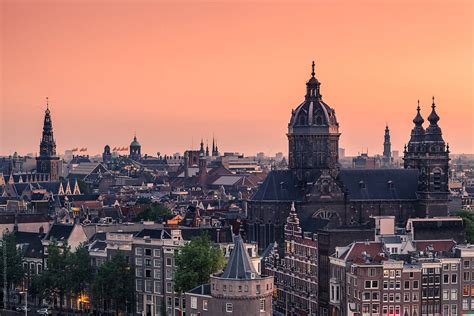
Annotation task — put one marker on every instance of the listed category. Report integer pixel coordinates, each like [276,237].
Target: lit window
[228,307]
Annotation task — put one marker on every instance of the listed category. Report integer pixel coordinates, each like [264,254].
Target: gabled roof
[59,232]
[435,245]
[239,265]
[358,249]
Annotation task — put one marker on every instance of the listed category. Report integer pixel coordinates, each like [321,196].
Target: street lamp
[26,301]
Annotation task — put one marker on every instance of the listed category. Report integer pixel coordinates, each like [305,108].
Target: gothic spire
[47,145]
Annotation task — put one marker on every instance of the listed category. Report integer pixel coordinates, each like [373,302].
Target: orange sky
[177,71]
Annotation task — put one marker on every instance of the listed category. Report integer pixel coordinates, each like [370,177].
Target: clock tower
[48,162]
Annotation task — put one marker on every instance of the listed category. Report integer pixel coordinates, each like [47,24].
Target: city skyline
[233,75]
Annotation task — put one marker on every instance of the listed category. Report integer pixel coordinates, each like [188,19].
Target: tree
[155,212]
[54,282]
[468,219]
[113,286]
[15,272]
[195,262]
[67,273]
[80,269]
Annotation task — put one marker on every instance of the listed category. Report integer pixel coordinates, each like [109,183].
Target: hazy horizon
[176,72]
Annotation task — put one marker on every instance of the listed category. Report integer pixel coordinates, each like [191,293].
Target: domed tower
[135,149]
[414,149]
[427,152]
[434,176]
[106,155]
[313,135]
[48,162]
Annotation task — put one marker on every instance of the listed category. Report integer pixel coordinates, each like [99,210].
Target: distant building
[135,149]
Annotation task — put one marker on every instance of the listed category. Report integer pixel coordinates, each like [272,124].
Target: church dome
[313,114]
[135,142]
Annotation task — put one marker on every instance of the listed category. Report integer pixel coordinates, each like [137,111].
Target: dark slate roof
[152,233]
[31,244]
[98,245]
[59,232]
[203,289]
[380,184]
[279,185]
[239,265]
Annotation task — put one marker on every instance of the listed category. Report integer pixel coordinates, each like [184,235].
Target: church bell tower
[48,162]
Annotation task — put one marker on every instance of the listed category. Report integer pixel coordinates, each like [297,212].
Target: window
[465,290]
[138,261]
[454,294]
[445,267]
[157,263]
[148,286]
[375,296]
[168,262]
[148,273]
[204,305]
[139,251]
[465,304]
[466,264]
[366,296]
[454,267]
[168,287]
[372,272]
[454,278]
[156,252]
[139,272]
[228,307]
[147,252]
[466,276]
[446,278]
[412,275]
[406,297]
[258,289]
[406,285]
[157,287]
[139,285]
[194,302]
[156,274]
[454,310]
[148,262]
[445,294]
[262,305]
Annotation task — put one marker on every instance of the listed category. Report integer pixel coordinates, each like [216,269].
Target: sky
[174,72]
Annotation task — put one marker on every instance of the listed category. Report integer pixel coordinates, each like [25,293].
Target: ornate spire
[47,145]
[433,118]
[312,86]
[418,120]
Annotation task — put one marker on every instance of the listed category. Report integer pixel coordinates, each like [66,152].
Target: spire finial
[47,103]
[418,107]
[312,72]
[433,105]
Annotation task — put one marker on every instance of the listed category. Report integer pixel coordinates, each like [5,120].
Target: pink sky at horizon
[176,72]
